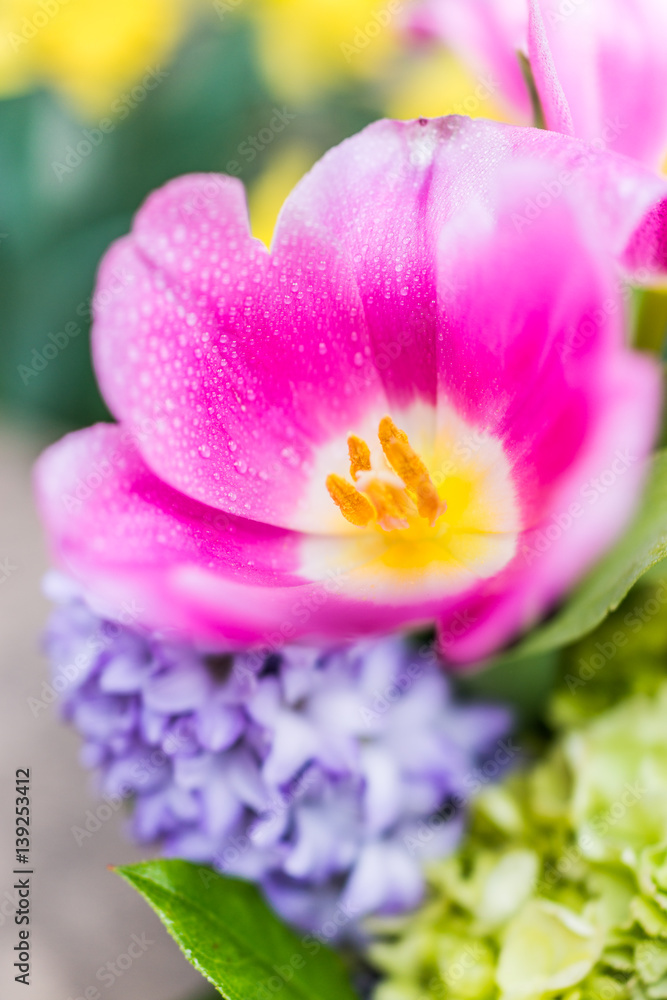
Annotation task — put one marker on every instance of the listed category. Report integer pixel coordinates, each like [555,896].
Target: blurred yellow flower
[433,82]
[270,190]
[425,82]
[88,49]
[306,46]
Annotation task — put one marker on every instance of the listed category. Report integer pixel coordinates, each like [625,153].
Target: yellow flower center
[412,518]
[394,502]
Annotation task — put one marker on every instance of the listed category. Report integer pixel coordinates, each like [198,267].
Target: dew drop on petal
[290,456]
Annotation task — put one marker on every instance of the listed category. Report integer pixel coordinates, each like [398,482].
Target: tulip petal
[600,67]
[557,113]
[540,363]
[610,62]
[126,535]
[233,376]
[238,367]
[188,571]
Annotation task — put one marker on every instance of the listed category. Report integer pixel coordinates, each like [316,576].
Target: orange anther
[407,464]
[354,506]
[360,455]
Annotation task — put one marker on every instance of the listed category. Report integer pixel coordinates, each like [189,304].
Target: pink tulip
[600,66]
[417,408]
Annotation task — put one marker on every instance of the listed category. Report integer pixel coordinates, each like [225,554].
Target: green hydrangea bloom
[560,887]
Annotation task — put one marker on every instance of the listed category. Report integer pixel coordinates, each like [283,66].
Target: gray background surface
[83,915]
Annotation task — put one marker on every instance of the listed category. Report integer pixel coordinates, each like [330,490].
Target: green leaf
[526,686]
[227,931]
[641,547]
[651,322]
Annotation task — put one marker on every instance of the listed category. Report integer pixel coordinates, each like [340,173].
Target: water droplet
[290,456]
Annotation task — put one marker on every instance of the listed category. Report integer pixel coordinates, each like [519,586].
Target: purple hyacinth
[305,770]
